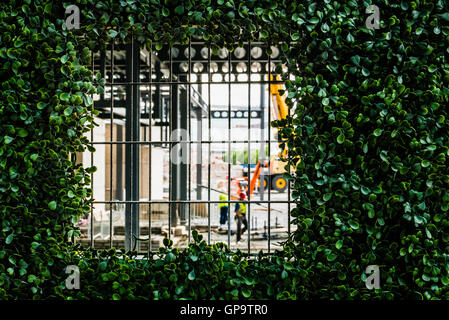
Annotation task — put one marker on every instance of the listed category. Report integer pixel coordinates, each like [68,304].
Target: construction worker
[224,209]
[240,216]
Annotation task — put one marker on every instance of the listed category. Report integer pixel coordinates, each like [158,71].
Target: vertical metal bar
[119,165]
[167,117]
[150,146]
[189,88]
[111,147]
[249,147]
[91,164]
[229,147]
[133,136]
[199,137]
[169,138]
[136,146]
[145,110]
[288,182]
[133,155]
[159,102]
[269,152]
[179,167]
[262,138]
[102,68]
[209,79]
[199,151]
[128,148]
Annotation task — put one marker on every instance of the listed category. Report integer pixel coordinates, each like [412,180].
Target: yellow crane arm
[279,108]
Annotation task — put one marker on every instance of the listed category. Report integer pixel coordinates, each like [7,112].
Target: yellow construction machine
[273,169]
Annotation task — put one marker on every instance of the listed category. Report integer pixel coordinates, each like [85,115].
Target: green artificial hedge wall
[370,125]
[372,128]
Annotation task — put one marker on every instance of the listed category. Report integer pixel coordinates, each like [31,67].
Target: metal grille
[182,111]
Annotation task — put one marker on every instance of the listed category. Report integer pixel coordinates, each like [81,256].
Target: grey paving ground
[257,215]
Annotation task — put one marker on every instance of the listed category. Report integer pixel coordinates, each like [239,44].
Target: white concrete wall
[99,160]
[157,173]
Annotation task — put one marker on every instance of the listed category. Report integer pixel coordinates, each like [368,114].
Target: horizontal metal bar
[142,254]
[245,43]
[185,201]
[185,82]
[187,141]
[194,41]
[222,61]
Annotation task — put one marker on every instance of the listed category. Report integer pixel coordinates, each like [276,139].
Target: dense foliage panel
[45,108]
[200,271]
[370,126]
